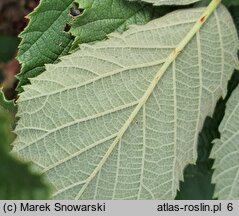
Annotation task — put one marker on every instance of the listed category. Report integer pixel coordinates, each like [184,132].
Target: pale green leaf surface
[169,2]
[68,123]
[226,152]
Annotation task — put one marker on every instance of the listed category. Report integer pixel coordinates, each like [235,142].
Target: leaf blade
[109,95]
[225,152]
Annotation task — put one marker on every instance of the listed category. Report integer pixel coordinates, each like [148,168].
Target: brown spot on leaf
[202,19]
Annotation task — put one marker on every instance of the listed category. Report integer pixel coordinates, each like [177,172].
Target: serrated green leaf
[225,152]
[168,2]
[94,133]
[44,39]
[102,17]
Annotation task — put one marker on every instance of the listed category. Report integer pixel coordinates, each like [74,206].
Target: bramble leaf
[108,130]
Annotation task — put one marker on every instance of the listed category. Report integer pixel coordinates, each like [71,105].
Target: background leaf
[17,181]
[234,12]
[8,105]
[225,152]
[5,130]
[102,17]
[169,2]
[229,3]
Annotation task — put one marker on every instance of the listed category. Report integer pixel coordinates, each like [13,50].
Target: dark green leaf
[17,182]
[102,17]
[234,10]
[230,2]
[44,40]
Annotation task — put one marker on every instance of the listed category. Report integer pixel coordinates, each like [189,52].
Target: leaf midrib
[171,58]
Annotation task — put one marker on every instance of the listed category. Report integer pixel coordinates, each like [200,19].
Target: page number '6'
[229,206]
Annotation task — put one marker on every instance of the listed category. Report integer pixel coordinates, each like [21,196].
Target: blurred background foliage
[17,180]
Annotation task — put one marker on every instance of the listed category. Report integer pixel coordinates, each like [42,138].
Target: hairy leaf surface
[226,154]
[169,2]
[78,129]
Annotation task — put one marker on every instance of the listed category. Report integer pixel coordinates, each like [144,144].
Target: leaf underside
[226,152]
[168,2]
[68,123]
